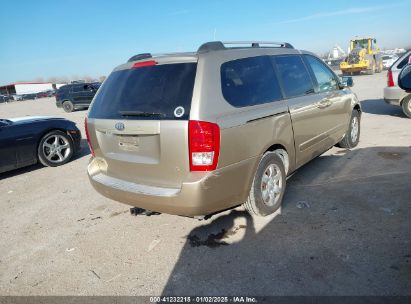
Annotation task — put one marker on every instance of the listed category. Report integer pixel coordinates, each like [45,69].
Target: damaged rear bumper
[202,194]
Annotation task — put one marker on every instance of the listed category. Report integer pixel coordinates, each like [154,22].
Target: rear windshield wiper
[140,113]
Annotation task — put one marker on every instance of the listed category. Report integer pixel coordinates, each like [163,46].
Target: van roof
[257,47]
[216,46]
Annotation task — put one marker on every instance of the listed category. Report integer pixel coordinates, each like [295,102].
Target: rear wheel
[406,106]
[268,186]
[68,106]
[352,137]
[380,67]
[371,71]
[55,149]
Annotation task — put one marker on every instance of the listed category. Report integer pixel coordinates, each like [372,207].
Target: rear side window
[294,76]
[77,88]
[63,89]
[152,92]
[403,62]
[249,81]
[325,78]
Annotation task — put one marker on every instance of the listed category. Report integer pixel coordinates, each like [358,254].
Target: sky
[43,39]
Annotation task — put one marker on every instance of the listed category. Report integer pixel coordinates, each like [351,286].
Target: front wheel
[268,186]
[352,136]
[55,149]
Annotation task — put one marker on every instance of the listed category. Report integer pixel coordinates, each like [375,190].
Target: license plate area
[128,142]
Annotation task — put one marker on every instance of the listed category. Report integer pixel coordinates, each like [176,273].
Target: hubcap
[56,148]
[354,129]
[271,184]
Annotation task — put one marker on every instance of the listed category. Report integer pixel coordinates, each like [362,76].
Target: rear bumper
[393,95]
[204,193]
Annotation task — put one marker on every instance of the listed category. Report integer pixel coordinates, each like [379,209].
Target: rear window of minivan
[152,92]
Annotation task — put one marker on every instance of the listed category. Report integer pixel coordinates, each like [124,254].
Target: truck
[364,56]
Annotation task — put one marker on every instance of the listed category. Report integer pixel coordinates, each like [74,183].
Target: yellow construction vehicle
[363,55]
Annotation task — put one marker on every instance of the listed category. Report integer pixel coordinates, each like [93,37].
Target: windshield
[152,92]
[363,44]
[5,121]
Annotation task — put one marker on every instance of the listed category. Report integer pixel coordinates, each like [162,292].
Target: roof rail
[221,45]
[140,56]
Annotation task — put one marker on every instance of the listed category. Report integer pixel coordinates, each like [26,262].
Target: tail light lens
[204,145]
[88,137]
[390,79]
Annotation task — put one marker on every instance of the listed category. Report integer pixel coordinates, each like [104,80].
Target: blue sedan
[28,140]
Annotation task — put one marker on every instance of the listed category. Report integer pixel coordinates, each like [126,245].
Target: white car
[393,94]
[388,60]
[17,97]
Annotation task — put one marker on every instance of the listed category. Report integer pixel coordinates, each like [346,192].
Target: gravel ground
[344,227]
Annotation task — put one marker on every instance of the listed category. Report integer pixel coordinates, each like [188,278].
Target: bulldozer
[364,56]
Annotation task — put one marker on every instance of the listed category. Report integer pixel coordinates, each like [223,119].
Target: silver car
[393,94]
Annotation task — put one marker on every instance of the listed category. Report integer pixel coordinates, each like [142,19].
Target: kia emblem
[119,126]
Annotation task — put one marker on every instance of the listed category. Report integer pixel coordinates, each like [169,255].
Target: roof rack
[220,45]
[140,56]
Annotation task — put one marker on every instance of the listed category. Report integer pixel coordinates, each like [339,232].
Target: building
[20,88]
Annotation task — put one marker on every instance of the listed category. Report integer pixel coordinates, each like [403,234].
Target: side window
[249,81]
[295,79]
[77,88]
[325,78]
[403,62]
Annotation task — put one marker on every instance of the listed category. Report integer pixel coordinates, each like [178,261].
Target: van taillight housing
[88,137]
[204,145]
[390,79]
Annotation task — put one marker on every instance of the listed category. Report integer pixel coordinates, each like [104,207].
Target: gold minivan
[196,133]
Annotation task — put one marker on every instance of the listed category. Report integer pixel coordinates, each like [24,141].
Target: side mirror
[346,81]
[404,79]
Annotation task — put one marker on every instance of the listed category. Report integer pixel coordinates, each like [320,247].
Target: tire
[406,106]
[380,67]
[351,138]
[371,71]
[55,149]
[270,175]
[68,106]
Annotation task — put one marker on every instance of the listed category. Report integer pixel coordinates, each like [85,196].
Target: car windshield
[5,121]
[153,92]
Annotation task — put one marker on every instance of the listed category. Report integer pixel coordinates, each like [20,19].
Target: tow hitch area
[139,211]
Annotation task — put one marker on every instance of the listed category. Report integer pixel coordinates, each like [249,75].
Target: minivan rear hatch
[138,122]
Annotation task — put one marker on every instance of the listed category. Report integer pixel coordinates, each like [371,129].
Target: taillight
[204,145]
[390,79]
[88,137]
[144,64]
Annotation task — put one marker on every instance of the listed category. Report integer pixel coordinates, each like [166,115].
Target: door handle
[324,103]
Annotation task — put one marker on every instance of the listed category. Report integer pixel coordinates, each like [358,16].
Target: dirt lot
[344,228]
